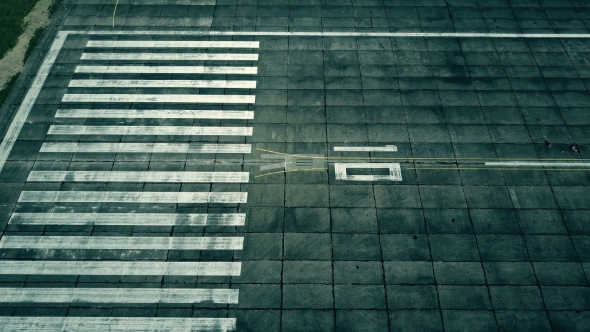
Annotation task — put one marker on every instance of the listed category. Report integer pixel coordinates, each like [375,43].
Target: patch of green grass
[4,92]
[12,13]
[36,36]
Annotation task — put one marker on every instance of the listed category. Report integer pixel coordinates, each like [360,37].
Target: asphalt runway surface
[377,165]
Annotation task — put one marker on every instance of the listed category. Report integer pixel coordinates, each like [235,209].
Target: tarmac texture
[309,165]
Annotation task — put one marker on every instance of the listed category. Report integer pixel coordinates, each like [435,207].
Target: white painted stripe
[149,130]
[121,243]
[159,114]
[336,34]
[537,164]
[146,148]
[133,197]
[222,70]
[217,84]
[149,2]
[121,268]
[118,295]
[141,98]
[171,56]
[171,44]
[134,324]
[387,148]
[30,98]
[129,219]
[157,98]
[129,176]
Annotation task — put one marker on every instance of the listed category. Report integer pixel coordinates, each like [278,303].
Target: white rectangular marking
[387,148]
[171,44]
[121,268]
[154,114]
[133,197]
[145,148]
[121,242]
[131,324]
[395,173]
[128,176]
[118,295]
[140,98]
[537,164]
[222,70]
[171,56]
[214,84]
[129,219]
[149,130]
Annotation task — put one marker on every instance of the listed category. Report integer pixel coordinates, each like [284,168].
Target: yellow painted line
[498,169]
[114,11]
[410,158]
[290,171]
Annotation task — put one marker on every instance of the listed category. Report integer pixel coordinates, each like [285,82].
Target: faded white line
[171,44]
[130,176]
[336,34]
[217,84]
[387,148]
[171,56]
[133,197]
[160,114]
[30,98]
[222,70]
[118,295]
[161,98]
[129,219]
[121,243]
[121,268]
[145,148]
[537,164]
[135,324]
[149,130]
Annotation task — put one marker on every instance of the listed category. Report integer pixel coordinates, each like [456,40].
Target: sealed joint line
[154,114]
[129,219]
[170,56]
[121,243]
[128,176]
[170,44]
[134,324]
[213,84]
[9,267]
[148,114]
[222,70]
[144,148]
[155,98]
[118,295]
[133,197]
[387,148]
[537,164]
[149,130]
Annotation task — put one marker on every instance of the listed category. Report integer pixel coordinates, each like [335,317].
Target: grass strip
[32,42]
[12,13]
